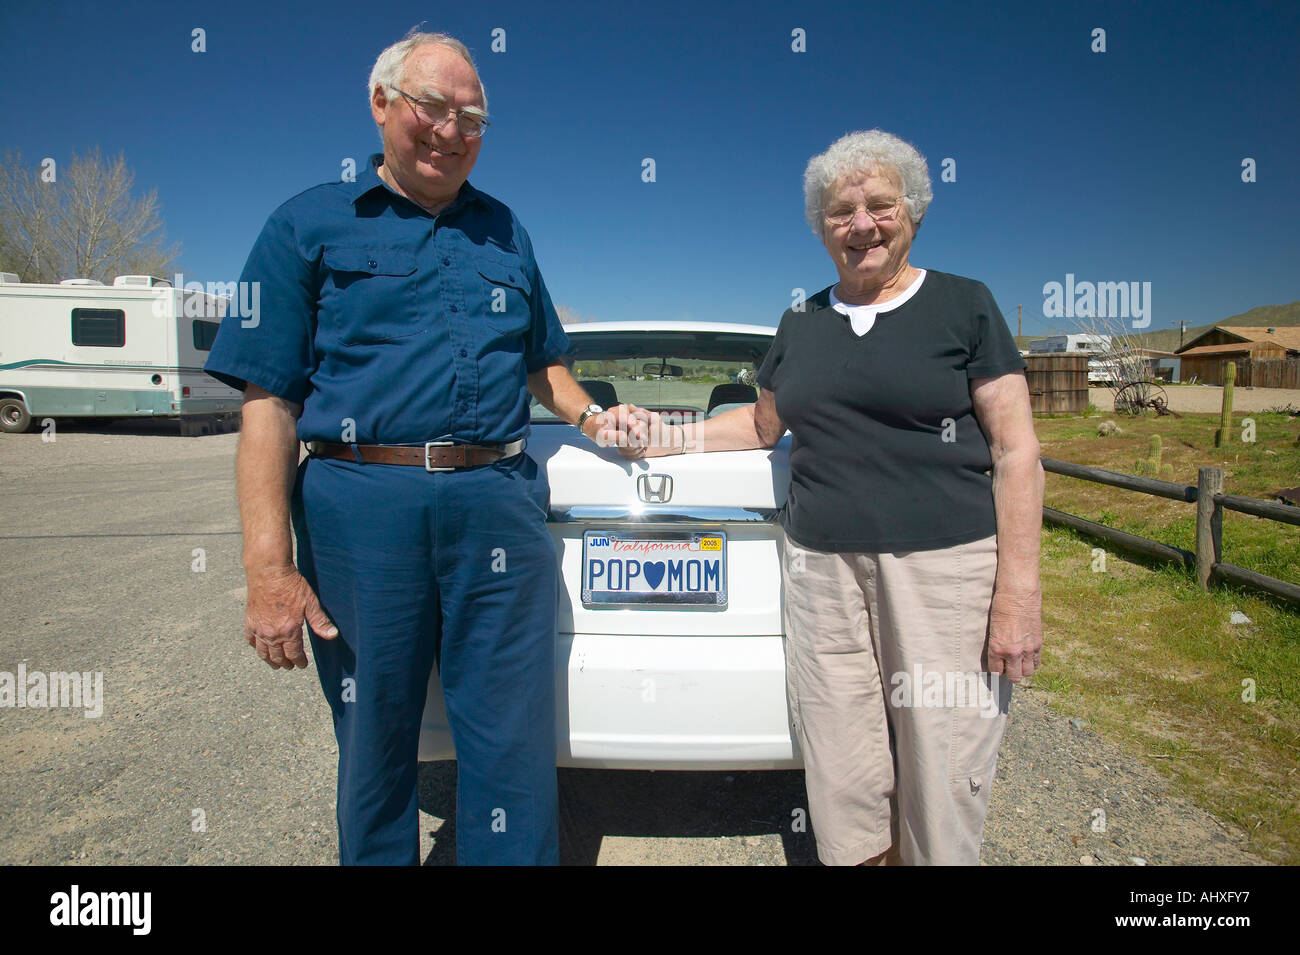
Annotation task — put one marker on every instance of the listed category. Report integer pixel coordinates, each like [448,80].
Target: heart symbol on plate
[654,572]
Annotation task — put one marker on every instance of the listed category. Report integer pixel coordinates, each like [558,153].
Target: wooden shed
[1058,384]
[1274,351]
[1207,362]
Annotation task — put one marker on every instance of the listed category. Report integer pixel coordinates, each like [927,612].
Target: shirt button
[454,309]
[446,261]
[463,353]
[371,263]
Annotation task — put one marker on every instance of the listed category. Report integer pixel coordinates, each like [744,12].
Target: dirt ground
[1209,398]
[120,554]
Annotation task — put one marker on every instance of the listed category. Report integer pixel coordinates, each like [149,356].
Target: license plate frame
[639,543]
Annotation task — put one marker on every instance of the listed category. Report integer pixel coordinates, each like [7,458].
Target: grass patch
[1256,469]
[1147,656]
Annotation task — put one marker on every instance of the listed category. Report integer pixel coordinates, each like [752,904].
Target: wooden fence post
[1209,523]
[1224,432]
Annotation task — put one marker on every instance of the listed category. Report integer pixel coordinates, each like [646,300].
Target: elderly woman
[911,573]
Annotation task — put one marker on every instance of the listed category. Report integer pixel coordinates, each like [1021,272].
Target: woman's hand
[749,426]
[1015,618]
[647,435]
[1015,633]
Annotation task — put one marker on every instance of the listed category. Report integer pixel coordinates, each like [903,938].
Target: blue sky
[1117,166]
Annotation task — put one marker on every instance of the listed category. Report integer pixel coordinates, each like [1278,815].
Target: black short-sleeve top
[887,455]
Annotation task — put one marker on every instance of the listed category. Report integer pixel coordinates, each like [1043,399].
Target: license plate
[636,568]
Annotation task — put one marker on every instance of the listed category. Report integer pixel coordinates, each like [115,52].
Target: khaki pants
[898,720]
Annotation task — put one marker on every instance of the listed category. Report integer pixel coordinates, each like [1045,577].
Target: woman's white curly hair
[862,152]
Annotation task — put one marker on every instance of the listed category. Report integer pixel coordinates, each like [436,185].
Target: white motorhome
[82,349]
[1102,370]
[1070,345]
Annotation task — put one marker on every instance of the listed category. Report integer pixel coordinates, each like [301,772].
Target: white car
[669,650]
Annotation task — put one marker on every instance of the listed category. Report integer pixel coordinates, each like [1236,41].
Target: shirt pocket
[506,301]
[369,295]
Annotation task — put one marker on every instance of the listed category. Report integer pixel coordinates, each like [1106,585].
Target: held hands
[637,432]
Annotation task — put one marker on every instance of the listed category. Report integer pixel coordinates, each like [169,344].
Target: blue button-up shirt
[390,325]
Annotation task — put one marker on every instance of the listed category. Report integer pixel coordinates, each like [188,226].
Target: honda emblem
[654,488]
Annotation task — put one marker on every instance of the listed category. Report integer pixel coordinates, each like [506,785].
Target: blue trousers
[456,567]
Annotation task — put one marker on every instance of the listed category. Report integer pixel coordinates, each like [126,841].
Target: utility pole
[1018,329]
[1182,325]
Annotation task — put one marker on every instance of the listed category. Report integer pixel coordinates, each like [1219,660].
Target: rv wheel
[14,417]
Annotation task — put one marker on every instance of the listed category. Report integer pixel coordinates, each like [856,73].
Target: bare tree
[569,316]
[1121,354]
[79,220]
[1127,369]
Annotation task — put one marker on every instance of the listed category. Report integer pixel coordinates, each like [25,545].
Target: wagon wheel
[1136,397]
[1160,402]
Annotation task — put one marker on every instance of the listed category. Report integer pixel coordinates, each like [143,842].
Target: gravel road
[204,755]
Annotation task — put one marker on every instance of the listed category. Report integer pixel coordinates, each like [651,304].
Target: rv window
[99,327]
[205,333]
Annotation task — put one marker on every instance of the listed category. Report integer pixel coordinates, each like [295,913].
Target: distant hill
[1166,339]
[1274,315]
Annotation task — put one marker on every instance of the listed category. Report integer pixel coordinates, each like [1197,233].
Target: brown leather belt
[432,455]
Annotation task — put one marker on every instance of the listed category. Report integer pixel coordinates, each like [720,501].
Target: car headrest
[601,392]
[732,393]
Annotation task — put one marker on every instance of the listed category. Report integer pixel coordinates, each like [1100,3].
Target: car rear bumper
[659,702]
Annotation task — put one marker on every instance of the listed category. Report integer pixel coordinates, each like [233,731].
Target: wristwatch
[588,412]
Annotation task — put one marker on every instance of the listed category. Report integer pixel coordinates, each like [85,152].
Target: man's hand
[1015,633]
[279,600]
[614,427]
[660,437]
[639,433]
[651,435]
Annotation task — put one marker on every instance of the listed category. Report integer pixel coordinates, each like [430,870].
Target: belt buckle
[435,444]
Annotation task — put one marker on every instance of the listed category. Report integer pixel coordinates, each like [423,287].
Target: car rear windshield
[692,373]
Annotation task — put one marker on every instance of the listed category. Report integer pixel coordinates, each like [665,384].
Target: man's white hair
[388,69]
[861,152]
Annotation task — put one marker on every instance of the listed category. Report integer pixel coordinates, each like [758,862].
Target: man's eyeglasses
[881,210]
[433,111]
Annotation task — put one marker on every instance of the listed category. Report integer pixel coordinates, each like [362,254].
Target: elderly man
[403,323]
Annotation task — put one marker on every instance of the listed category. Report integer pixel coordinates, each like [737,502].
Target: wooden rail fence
[1210,503]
